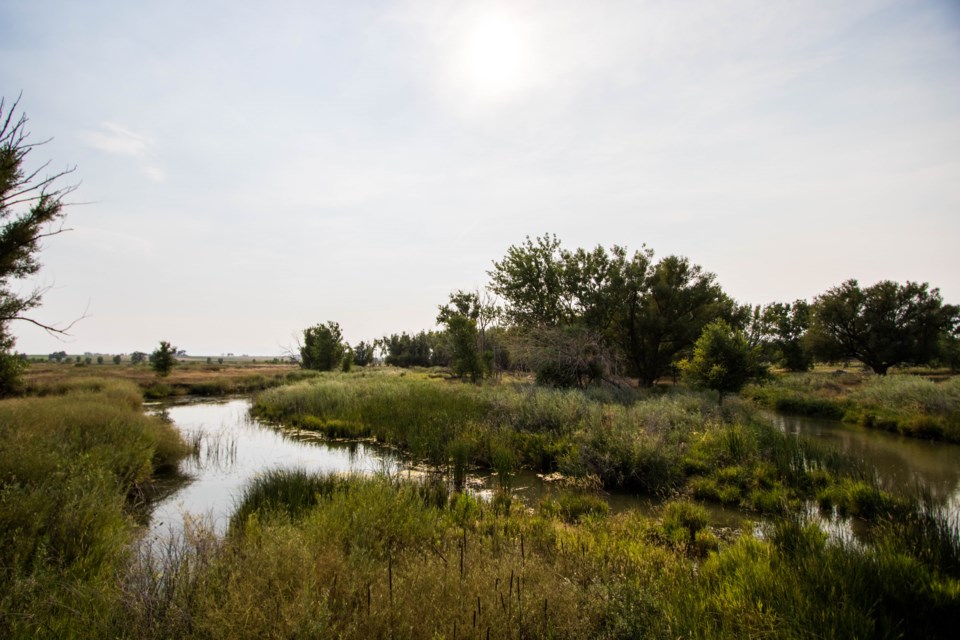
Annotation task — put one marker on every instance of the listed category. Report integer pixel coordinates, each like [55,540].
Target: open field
[187,378]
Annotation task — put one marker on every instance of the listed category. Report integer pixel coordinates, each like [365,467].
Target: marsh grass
[74,466]
[662,445]
[906,404]
[909,405]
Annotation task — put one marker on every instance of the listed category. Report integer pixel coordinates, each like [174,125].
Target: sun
[494,58]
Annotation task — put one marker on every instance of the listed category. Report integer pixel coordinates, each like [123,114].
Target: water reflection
[899,463]
[232,448]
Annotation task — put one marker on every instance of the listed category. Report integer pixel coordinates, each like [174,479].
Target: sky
[249,169]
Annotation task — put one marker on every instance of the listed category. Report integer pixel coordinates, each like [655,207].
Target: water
[900,464]
[234,448]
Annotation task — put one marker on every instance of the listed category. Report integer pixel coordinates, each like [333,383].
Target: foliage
[162,360]
[643,313]
[663,321]
[784,327]
[30,206]
[417,350]
[883,325]
[722,360]
[347,363]
[323,347]
[73,468]
[460,316]
[363,354]
[322,556]
[137,357]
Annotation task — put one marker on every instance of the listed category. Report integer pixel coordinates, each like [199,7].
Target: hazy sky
[252,168]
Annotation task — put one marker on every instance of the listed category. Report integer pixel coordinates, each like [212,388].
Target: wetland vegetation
[315,555]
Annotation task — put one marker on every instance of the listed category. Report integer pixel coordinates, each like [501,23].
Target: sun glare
[495,60]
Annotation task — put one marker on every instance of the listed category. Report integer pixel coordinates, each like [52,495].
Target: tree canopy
[643,313]
[322,348]
[883,325]
[163,359]
[723,360]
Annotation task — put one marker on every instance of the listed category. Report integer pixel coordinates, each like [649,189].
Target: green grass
[373,557]
[663,445]
[906,404]
[73,467]
[316,556]
[909,405]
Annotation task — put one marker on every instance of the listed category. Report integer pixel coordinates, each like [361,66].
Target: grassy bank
[316,557]
[187,378]
[667,445]
[73,467]
[910,405]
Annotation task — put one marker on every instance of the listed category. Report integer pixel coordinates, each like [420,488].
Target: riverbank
[911,405]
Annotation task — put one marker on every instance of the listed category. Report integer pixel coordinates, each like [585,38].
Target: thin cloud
[117,140]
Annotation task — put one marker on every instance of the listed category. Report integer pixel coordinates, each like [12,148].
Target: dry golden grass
[189,377]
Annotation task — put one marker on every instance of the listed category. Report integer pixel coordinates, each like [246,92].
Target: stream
[234,447]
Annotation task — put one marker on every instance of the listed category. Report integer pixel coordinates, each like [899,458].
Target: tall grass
[372,557]
[910,405]
[72,467]
[662,445]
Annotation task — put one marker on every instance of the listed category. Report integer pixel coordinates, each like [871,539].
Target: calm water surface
[234,448]
[899,463]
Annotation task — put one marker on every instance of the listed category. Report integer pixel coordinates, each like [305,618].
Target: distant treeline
[579,316]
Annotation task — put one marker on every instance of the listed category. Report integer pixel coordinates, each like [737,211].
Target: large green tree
[631,309]
[784,329]
[322,348]
[883,325]
[665,312]
[31,205]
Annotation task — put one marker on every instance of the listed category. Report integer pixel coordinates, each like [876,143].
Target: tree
[137,357]
[530,278]
[663,315]
[883,325]
[723,360]
[322,348]
[405,350]
[163,359]
[117,359]
[363,354]
[460,317]
[642,313]
[31,205]
[784,328]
